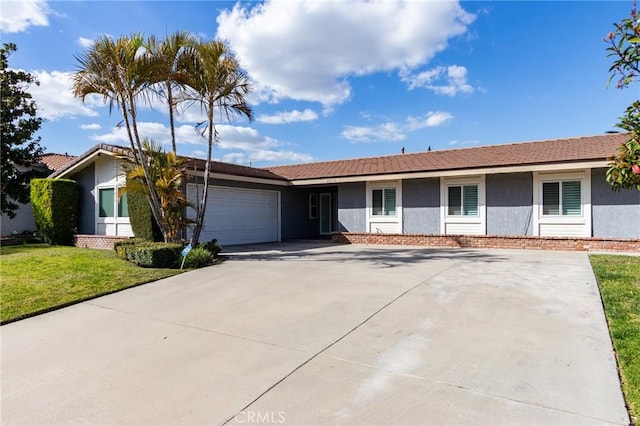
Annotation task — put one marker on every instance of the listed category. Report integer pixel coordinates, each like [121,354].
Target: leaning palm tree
[120,72]
[218,86]
[172,56]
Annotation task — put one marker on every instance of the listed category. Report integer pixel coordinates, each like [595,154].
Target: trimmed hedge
[149,254]
[143,224]
[55,209]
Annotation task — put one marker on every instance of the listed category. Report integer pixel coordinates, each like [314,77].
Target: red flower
[635,169]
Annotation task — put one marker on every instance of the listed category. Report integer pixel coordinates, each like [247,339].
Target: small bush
[152,255]
[120,247]
[212,246]
[198,258]
[55,209]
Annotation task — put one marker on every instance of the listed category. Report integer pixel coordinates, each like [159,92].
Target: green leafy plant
[167,172]
[212,246]
[143,224]
[152,255]
[198,257]
[624,48]
[20,149]
[55,209]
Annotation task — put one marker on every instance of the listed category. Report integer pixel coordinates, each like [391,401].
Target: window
[107,203]
[463,200]
[563,198]
[123,206]
[383,202]
[313,206]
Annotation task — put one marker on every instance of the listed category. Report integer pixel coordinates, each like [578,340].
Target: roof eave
[541,167]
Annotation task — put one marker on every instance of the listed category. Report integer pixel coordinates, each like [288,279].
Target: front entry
[325,214]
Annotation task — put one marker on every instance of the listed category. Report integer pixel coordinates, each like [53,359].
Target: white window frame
[397,219]
[584,219]
[110,168]
[479,220]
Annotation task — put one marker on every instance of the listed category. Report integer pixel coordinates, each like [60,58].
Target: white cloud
[254,147]
[55,98]
[92,126]
[85,42]
[18,15]
[307,50]
[390,132]
[449,80]
[431,119]
[393,131]
[288,117]
[278,157]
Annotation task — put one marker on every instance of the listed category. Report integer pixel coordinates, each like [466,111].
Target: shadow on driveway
[389,256]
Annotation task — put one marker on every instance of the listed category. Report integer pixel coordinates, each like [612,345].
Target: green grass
[36,278]
[619,281]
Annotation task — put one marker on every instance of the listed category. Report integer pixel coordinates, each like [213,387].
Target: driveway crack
[339,339]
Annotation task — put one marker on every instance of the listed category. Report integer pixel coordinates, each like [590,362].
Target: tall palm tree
[218,85]
[173,54]
[121,72]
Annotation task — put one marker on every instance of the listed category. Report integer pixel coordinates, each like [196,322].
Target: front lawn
[35,278]
[619,281]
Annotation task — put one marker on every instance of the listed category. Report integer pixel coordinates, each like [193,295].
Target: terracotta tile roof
[591,148]
[56,161]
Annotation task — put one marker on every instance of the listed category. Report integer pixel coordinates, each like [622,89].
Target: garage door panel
[240,216]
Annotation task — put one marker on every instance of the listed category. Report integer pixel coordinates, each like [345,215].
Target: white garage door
[240,216]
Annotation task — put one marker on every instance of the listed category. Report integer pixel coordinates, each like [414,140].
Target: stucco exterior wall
[614,214]
[294,207]
[86,187]
[509,204]
[352,207]
[421,206]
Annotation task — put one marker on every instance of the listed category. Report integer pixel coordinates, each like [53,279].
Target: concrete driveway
[324,334]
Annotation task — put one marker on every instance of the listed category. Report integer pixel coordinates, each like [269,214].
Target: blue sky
[345,79]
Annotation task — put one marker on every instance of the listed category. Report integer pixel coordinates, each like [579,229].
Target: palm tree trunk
[205,190]
[171,121]
[154,202]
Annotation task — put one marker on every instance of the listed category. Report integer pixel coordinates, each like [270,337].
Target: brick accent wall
[101,242]
[489,241]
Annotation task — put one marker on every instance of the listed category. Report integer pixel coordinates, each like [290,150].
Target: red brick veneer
[102,242]
[492,241]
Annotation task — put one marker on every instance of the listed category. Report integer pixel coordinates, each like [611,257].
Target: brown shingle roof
[591,148]
[56,161]
[216,166]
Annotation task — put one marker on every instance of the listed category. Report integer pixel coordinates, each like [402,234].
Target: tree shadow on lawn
[21,248]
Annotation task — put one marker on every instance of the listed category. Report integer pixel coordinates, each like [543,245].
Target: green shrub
[143,224]
[55,209]
[152,255]
[120,247]
[198,258]
[212,246]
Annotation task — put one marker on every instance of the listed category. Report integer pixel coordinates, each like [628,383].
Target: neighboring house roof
[56,161]
[572,150]
[217,167]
